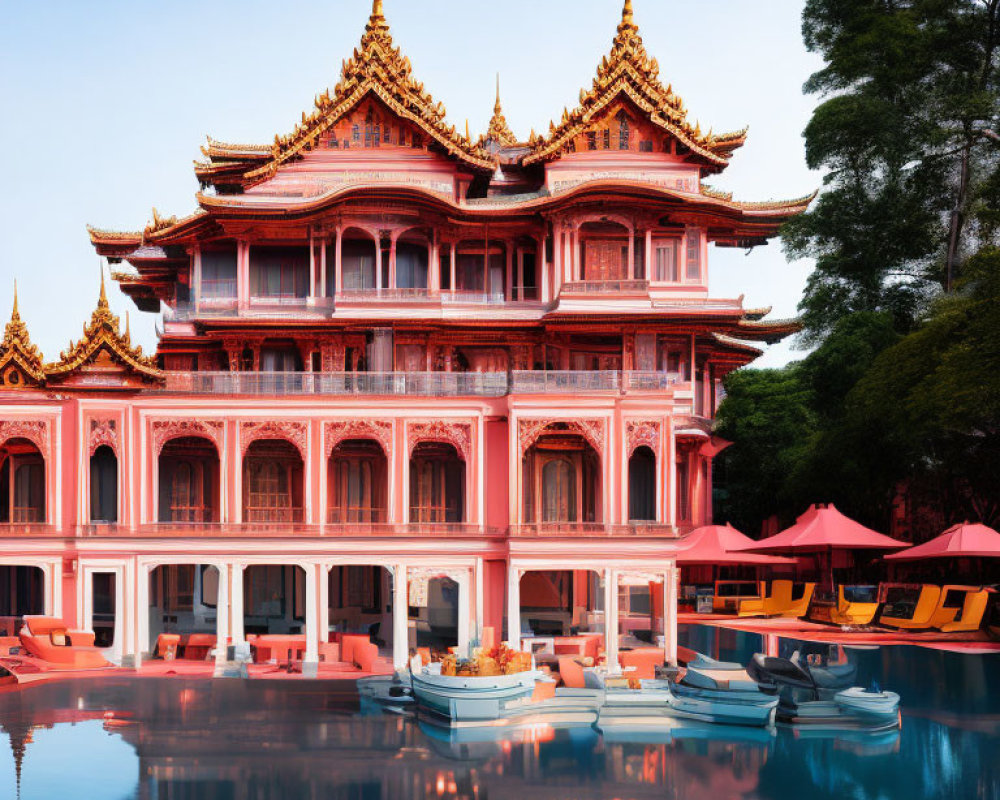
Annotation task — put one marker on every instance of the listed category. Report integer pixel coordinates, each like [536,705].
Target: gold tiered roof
[103,336]
[629,71]
[379,68]
[17,352]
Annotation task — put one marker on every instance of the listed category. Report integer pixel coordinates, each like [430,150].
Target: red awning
[823,527]
[959,541]
[721,544]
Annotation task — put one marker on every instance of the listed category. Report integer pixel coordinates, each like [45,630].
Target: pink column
[649,253]
[322,268]
[509,293]
[631,254]
[231,481]
[338,259]
[243,274]
[433,265]
[453,260]
[557,258]
[392,260]
[378,261]
[312,264]
[196,277]
[542,265]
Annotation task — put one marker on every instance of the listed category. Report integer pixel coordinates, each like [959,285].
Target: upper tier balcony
[418,384]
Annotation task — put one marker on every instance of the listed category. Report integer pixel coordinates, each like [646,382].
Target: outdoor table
[280,646]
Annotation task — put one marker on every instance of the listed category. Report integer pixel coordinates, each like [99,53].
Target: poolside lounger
[927,604]
[973,609]
[850,613]
[757,606]
[794,608]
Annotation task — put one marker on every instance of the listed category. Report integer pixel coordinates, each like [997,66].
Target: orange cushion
[59,638]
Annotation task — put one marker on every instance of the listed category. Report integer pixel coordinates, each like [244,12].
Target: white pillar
[196,278]
[324,603]
[312,266]
[631,254]
[236,603]
[222,618]
[541,264]
[312,622]
[670,614]
[480,600]
[378,262]
[338,263]
[400,618]
[322,267]
[649,254]
[464,607]
[611,618]
[142,574]
[452,266]
[513,607]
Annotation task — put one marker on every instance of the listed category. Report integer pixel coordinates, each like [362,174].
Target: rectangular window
[279,272]
[666,257]
[218,273]
[693,255]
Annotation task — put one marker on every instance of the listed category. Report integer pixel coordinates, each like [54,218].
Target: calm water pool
[238,740]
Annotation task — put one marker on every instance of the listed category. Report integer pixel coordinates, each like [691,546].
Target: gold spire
[377,19]
[17,352]
[627,21]
[499,131]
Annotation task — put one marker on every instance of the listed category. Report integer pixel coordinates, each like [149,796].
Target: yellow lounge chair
[927,605]
[848,613]
[973,610]
[753,606]
[795,608]
[779,600]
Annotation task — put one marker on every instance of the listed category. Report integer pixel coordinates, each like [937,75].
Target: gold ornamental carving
[643,433]
[34,431]
[296,433]
[458,434]
[103,432]
[163,430]
[592,431]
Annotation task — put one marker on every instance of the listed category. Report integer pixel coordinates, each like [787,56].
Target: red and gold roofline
[630,72]
[378,68]
[20,360]
[103,342]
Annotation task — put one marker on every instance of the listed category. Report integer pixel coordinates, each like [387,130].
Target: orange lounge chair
[365,655]
[644,659]
[755,606]
[973,609]
[848,613]
[927,605]
[48,639]
[167,645]
[571,672]
[793,609]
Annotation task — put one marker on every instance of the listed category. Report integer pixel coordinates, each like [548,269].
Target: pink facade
[387,345]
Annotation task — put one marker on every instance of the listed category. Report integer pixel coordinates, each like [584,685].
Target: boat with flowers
[481,688]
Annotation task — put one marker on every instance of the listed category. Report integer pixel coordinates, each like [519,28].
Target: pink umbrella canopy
[823,527]
[721,544]
[959,541]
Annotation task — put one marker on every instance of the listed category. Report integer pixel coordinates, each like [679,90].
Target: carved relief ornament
[592,430]
[378,430]
[458,434]
[297,433]
[643,433]
[103,432]
[35,431]
[163,430]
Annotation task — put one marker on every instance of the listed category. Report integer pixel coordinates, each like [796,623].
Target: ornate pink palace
[411,385]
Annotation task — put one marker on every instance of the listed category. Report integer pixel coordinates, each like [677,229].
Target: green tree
[906,133]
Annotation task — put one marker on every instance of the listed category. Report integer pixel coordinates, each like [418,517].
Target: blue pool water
[173,739]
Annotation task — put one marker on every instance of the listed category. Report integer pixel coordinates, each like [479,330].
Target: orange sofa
[49,639]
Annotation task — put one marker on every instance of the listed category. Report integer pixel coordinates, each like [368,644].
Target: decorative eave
[770,331]
[378,68]
[730,343]
[629,71]
[103,335]
[18,354]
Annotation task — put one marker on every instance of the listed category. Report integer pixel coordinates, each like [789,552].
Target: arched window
[22,482]
[358,474]
[272,482]
[103,485]
[642,486]
[189,481]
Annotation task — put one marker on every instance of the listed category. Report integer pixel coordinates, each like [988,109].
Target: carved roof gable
[103,347]
[20,360]
[628,70]
[379,68]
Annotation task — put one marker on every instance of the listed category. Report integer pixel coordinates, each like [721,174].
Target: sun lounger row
[781,601]
[938,608]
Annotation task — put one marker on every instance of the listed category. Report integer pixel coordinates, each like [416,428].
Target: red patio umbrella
[966,540]
[722,544]
[824,529]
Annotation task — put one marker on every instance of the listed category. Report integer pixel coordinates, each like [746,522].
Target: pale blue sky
[105,103]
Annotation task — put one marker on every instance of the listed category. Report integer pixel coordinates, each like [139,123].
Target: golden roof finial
[377,19]
[16,346]
[14,315]
[497,108]
[628,22]
[102,301]
[499,131]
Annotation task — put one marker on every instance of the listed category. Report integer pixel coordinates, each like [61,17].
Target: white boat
[471,698]
[723,692]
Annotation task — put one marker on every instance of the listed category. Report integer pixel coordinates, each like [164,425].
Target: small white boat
[872,702]
[723,692]
[471,698]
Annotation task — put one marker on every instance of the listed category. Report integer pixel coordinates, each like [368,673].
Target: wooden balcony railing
[27,514]
[593,530]
[254,515]
[190,514]
[356,516]
[606,287]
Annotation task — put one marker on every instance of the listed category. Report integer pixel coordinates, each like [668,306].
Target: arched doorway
[22,482]
[642,485]
[561,480]
[604,251]
[189,481]
[272,482]
[103,485]
[357,487]
[437,483]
